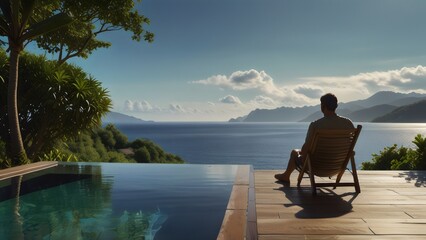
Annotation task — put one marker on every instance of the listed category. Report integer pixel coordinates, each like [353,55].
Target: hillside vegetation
[108,144]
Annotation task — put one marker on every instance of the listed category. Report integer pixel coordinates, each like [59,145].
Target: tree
[120,139]
[57,102]
[92,18]
[36,20]
[142,155]
[16,23]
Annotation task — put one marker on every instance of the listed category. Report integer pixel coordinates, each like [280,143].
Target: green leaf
[27,10]
[4,28]
[53,23]
[14,6]
[5,8]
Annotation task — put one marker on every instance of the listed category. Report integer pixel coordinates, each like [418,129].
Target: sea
[262,145]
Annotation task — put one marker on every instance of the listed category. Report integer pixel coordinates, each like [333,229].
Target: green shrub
[107,138]
[142,155]
[103,145]
[57,155]
[4,160]
[156,153]
[117,157]
[120,139]
[400,158]
[420,161]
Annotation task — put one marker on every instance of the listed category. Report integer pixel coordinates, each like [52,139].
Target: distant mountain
[318,114]
[115,117]
[238,119]
[365,110]
[369,114]
[386,97]
[283,114]
[413,113]
[406,101]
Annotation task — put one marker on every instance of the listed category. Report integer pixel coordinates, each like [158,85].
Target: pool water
[118,201]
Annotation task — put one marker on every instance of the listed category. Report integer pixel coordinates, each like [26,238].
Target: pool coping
[240,221]
[25,169]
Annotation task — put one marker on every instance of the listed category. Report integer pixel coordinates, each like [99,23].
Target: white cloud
[243,80]
[265,93]
[139,106]
[176,108]
[129,105]
[346,88]
[143,106]
[263,101]
[362,85]
[309,91]
[230,100]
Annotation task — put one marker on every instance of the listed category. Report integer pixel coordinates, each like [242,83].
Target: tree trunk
[16,145]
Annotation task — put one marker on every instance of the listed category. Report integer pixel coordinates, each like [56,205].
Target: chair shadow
[418,177]
[326,204]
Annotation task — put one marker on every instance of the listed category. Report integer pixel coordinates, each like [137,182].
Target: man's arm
[307,139]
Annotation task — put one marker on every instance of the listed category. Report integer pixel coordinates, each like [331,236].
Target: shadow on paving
[418,177]
[327,204]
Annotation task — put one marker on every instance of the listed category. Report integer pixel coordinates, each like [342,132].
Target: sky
[213,60]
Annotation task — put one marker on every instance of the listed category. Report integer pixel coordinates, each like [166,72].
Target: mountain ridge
[364,110]
[412,113]
[120,118]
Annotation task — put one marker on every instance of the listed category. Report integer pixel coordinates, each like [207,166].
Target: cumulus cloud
[262,100]
[243,80]
[128,105]
[138,106]
[230,100]
[309,91]
[176,108]
[143,106]
[406,79]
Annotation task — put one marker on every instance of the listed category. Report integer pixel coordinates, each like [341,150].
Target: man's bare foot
[281,177]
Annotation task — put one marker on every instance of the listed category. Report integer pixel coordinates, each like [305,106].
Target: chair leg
[299,178]
[339,177]
[355,175]
[311,177]
[301,173]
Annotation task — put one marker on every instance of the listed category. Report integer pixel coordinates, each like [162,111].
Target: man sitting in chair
[330,121]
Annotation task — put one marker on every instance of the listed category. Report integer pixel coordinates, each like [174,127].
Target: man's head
[329,102]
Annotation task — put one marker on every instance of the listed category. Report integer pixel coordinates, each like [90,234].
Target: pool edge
[239,221]
[25,169]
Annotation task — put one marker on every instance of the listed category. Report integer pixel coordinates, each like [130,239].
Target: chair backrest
[330,150]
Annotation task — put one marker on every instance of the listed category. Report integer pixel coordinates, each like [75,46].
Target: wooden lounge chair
[328,155]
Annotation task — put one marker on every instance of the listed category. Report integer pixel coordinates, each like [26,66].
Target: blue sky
[213,60]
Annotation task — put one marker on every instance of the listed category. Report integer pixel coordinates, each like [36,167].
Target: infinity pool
[118,201]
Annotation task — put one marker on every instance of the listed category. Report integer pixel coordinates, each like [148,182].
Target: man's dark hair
[329,101]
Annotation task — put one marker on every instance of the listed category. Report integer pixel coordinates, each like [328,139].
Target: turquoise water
[121,201]
[263,145]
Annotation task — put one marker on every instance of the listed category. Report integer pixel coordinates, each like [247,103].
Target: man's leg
[285,177]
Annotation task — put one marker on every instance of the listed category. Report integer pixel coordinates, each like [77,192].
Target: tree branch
[76,53]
